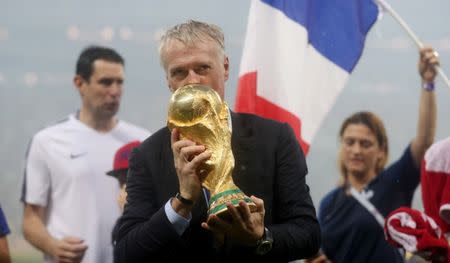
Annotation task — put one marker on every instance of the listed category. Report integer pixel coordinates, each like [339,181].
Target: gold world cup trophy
[201,116]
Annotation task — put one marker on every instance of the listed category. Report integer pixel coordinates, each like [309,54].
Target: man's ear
[78,82]
[168,84]
[226,65]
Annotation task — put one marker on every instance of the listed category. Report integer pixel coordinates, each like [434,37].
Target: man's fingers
[217,225]
[259,204]
[206,226]
[68,256]
[79,257]
[72,248]
[200,158]
[235,215]
[65,260]
[75,249]
[79,248]
[174,136]
[245,210]
[179,145]
[202,171]
[73,240]
[189,152]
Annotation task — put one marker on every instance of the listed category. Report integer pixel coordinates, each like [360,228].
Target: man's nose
[115,89]
[193,78]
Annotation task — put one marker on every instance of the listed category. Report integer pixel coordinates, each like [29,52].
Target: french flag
[297,57]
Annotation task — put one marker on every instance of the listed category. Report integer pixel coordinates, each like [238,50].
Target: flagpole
[408,30]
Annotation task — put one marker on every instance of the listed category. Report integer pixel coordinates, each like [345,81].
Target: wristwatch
[183,200]
[264,245]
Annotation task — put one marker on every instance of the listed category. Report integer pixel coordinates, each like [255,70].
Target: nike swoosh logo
[76,155]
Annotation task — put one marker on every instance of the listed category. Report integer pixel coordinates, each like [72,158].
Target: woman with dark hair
[351,216]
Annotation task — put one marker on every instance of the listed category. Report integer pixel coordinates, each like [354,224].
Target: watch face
[264,247]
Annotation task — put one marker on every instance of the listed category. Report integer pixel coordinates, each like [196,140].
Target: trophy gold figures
[201,116]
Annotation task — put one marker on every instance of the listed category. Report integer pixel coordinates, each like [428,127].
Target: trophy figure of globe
[201,116]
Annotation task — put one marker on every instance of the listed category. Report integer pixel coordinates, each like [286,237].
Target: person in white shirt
[69,204]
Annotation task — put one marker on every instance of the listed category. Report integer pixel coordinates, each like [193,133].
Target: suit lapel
[242,144]
[168,180]
[199,211]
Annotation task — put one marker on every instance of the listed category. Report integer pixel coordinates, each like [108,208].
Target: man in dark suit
[165,219]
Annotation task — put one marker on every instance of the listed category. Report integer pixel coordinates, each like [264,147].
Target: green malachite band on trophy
[223,206]
[227,192]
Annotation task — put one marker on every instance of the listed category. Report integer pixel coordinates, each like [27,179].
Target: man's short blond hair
[190,33]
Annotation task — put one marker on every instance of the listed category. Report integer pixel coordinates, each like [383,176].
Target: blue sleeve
[4,229]
[324,205]
[179,223]
[404,173]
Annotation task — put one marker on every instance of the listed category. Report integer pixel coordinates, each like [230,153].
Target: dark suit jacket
[268,164]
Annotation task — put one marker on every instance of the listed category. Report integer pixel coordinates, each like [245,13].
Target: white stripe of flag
[297,57]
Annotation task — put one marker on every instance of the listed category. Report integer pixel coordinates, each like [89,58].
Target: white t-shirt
[66,172]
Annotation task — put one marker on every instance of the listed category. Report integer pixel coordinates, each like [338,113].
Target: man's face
[102,92]
[202,64]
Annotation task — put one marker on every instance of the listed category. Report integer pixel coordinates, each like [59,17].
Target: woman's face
[360,150]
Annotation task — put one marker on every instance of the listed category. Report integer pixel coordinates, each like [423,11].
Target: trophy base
[218,203]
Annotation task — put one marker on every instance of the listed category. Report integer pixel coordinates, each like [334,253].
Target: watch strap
[183,200]
[264,245]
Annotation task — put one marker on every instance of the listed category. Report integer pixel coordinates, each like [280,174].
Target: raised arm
[426,125]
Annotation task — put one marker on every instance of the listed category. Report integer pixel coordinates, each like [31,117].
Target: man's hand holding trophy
[201,142]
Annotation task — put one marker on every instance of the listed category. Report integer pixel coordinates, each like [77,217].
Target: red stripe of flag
[248,101]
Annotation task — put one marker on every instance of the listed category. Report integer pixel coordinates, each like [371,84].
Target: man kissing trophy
[201,116]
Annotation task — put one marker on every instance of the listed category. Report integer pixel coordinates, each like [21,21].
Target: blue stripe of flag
[336,28]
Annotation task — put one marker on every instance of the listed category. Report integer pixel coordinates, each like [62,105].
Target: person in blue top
[351,215]
[4,231]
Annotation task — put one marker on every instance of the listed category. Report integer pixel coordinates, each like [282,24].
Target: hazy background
[40,41]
